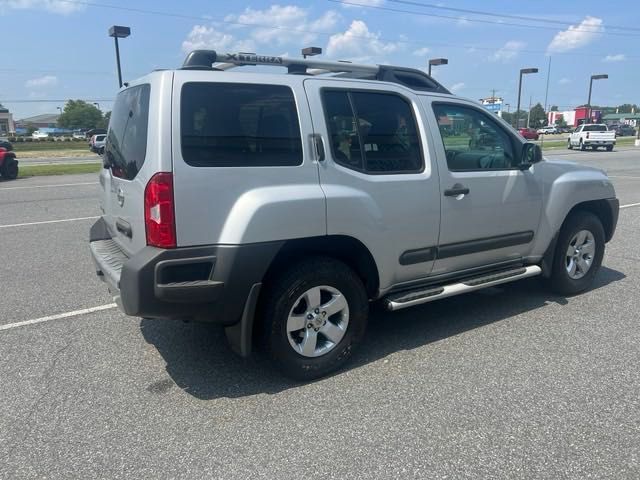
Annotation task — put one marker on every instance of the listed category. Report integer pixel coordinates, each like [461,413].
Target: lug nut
[309,326]
[324,314]
[309,317]
[317,310]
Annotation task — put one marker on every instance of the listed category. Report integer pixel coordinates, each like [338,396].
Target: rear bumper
[205,283]
[599,143]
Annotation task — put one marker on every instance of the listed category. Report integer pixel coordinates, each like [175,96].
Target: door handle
[456,190]
[318,146]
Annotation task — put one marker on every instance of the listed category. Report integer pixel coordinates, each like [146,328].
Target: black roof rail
[409,77]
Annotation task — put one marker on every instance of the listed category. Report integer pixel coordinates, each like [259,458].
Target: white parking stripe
[630,205]
[49,186]
[49,221]
[59,316]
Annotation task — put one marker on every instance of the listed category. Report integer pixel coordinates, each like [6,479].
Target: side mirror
[531,153]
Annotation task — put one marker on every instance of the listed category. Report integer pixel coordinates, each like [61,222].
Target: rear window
[126,145]
[594,128]
[239,125]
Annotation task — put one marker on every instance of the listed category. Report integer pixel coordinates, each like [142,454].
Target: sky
[59,49]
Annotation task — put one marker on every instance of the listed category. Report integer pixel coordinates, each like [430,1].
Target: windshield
[594,128]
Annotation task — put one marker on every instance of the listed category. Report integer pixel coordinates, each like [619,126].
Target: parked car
[8,164]
[623,130]
[39,135]
[78,135]
[96,144]
[529,133]
[549,129]
[592,135]
[280,206]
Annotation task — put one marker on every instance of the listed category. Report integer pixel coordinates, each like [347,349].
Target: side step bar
[401,300]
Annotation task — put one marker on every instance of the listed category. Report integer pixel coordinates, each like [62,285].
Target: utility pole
[529,113]
[546,93]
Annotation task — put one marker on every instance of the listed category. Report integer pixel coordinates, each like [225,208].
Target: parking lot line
[49,186]
[630,205]
[48,221]
[58,316]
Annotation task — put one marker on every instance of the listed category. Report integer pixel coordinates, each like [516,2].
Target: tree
[554,108]
[561,122]
[30,128]
[537,116]
[80,114]
[105,120]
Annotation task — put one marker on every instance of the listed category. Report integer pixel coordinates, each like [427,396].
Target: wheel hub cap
[580,254]
[318,321]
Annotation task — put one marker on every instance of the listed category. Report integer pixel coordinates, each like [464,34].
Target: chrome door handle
[456,190]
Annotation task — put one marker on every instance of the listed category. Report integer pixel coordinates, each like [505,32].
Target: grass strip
[58,169]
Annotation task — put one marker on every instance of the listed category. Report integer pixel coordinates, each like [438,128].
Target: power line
[477,20]
[48,100]
[502,15]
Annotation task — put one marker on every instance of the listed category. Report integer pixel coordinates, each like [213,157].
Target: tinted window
[373,132]
[126,145]
[239,125]
[472,140]
[594,128]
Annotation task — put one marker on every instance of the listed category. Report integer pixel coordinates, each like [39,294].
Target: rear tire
[609,148]
[594,148]
[578,254]
[9,169]
[582,146]
[306,307]
[569,146]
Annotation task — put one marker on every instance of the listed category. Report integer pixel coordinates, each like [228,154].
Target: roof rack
[410,77]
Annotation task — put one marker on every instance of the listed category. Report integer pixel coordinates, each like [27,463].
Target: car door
[377,173]
[490,208]
[575,136]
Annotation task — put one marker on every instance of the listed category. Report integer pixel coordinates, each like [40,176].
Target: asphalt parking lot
[509,382]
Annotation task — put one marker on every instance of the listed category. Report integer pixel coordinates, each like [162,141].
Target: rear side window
[126,145]
[372,132]
[239,125]
[594,128]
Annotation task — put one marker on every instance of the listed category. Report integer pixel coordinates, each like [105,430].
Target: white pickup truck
[592,135]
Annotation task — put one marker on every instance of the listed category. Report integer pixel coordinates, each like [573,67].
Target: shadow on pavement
[200,362]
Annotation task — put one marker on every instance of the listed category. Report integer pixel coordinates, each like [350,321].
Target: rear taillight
[587,134]
[159,212]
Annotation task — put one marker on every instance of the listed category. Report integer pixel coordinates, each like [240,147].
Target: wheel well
[601,209]
[344,248]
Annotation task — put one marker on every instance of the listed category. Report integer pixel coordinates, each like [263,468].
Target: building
[632,119]
[46,120]
[574,118]
[7,125]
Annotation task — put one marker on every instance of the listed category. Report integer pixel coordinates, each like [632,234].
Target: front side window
[239,125]
[372,132]
[472,140]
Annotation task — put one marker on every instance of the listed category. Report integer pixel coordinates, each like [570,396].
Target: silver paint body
[389,214]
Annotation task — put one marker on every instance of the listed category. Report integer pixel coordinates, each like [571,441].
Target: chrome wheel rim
[317,321]
[580,254]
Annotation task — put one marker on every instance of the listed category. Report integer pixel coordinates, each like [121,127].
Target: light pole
[437,61]
[523,71]
[593,77]
[116,32]
[97,105]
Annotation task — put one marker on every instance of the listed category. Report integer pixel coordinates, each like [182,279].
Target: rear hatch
[599,133]
[122,196]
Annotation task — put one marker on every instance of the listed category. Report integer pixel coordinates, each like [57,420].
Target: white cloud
[358,41]
[508,51]
[204,37]
[456,87]
[576,36]
[620,57]
[293,22]
[42,82]
[421,52]
[463,22]
[54,6]
[564,81]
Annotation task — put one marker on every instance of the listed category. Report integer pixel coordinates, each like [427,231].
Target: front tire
[569,146]
[578,254]
[314,315]
[582,146]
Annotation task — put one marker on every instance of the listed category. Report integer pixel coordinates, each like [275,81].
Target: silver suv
[281,205]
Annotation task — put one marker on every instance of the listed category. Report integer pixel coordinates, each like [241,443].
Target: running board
[397,301]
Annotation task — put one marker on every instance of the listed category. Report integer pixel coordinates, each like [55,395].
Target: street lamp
[523,71]
[97,105]
[593,77]
[311,51]
[119,32]
[437,61]
[60,109]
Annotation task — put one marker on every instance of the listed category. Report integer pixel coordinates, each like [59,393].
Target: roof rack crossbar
[226,60]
